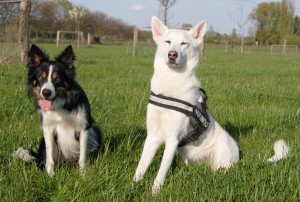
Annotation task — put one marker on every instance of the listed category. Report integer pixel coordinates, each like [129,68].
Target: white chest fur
[65,124]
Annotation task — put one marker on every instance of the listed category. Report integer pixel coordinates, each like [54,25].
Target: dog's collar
[198,114]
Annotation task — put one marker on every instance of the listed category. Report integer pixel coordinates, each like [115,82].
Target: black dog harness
[198,114]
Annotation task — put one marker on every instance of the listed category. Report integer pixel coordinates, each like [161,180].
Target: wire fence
[9,29]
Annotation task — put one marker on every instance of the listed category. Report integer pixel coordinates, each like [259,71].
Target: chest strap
[198,114]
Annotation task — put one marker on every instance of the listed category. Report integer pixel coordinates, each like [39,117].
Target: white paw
[156,188]
[82,171]
[81,163]
[186,162]
[50,169]
[82,166]
[137,177]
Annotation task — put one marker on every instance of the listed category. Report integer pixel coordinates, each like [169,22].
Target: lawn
[255,97]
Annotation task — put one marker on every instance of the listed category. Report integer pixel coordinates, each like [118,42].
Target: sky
[220,14]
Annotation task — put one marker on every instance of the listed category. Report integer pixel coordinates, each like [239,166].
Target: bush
[293,40]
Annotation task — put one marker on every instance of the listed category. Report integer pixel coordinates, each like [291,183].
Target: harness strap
[205,97]
[158,100]
[173,99]
[198,116]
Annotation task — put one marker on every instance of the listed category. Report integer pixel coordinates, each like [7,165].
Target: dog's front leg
[49,141]
[171,146]
[83,149]
[149,150]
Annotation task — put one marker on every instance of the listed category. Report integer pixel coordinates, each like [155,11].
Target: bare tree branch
[167,4]
[240,23]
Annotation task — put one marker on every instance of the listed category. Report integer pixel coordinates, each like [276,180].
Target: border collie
[68,128]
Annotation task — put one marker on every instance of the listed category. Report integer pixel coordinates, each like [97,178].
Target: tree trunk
[23,30]
[165,16]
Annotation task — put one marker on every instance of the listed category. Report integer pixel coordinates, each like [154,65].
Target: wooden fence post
[135,40]
[89,39]
[57,38]
[23,30]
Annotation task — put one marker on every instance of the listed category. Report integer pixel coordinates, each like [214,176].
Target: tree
[54,14]
[166,5]
[266,17]
[240,23]
[211,31]
[287,11]
[233,34]
[186,26]
[62,13]
[233,38]
[297,26]
[8,17]
[251,31]
[76,14]
[274,21]
[49,16]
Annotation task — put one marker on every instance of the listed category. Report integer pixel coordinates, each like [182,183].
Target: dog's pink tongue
[45,104]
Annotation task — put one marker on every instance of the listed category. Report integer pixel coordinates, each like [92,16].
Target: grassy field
[255,97]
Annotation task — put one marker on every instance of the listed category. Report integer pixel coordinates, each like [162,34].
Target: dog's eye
[168,42]
[184,43]
[40,76]
[57,80]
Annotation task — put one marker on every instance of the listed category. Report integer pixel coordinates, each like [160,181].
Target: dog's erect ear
[198,31]
[36,56]
[158,28]
[67,57]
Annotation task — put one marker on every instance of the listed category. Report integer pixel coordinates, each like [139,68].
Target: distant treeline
[49,16]
[275,22]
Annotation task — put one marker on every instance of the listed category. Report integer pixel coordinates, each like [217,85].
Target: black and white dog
[68,130]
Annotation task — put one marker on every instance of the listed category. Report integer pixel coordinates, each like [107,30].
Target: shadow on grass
[237,131]
[132,138]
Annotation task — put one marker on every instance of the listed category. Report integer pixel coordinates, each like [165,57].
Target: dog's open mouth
[45,104]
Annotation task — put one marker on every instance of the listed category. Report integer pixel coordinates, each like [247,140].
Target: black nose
[172,55]
[46,93]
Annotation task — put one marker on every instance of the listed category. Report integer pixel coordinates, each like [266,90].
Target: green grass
[254,97]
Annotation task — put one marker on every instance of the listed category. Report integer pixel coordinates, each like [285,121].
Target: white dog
[175,95]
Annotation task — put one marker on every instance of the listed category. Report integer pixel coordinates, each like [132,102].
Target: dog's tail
[281,150]
[26,155]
